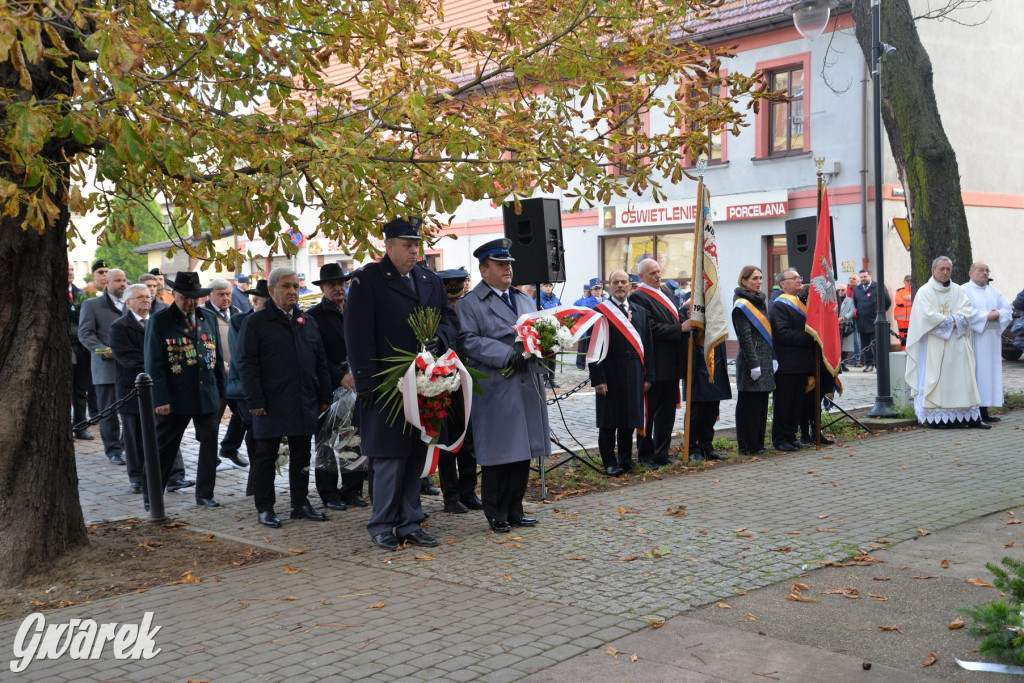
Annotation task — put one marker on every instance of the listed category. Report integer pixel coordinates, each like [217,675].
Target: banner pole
[697,252]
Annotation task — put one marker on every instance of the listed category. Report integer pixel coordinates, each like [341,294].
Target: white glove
[755,373]
[775,365]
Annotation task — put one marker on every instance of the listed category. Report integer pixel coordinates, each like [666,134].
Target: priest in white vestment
[991,315]
[940,353]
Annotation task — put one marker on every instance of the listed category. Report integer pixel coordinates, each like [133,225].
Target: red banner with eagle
[822,300]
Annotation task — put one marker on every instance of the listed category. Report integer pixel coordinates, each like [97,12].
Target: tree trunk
[925,160]
[40,514]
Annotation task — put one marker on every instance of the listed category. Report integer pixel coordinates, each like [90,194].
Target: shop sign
[736,207]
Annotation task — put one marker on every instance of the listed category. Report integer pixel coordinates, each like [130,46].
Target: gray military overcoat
[510,420]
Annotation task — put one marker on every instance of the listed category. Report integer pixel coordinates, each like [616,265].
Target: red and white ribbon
[587,319]
[435,367]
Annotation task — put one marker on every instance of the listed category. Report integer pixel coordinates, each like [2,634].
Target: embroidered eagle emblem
[825,284]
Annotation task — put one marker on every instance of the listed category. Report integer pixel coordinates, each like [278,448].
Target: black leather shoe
[386,540]
[420,538]
[268,518]
[179,484]
[116,460]
[715,455]
[472,502]
[992,418]
[84,435]
[207,502]
[136,487]
[500,527]
[335,505]
[785,446]
[523,521]
[356,501]
[796,443]
[306,512]
[978,424]
[614,471]
[455,507]
[430,490]
[627,467]
[236,460]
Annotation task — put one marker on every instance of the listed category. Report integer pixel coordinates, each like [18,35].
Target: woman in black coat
[755,362]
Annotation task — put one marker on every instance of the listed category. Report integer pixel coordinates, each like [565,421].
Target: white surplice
[988,347]
[940,355]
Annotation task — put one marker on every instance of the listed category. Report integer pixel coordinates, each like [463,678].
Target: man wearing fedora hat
[330,317]
[381,298]
[183,356]
[510,419]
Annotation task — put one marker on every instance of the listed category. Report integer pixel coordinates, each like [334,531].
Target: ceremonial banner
[707,313]
[822,301]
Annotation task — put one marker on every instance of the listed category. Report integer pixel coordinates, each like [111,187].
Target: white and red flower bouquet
[545,334]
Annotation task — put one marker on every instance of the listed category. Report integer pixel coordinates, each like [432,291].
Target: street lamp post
[883,401]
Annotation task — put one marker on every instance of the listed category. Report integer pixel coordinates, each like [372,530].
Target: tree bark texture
[925,160]
[40,514]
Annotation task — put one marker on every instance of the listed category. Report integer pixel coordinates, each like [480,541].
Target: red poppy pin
[301,320]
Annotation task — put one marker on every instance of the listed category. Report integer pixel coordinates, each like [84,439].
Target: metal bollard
[151,455]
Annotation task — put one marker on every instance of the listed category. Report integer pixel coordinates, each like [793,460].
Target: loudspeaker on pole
[536,235]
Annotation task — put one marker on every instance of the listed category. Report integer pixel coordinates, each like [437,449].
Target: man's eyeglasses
[798,278]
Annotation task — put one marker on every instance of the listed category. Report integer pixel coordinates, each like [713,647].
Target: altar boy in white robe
[940,353]
[990,316]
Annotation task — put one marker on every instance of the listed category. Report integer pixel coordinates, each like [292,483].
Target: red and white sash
[624,325]
[660,297]
[431,367]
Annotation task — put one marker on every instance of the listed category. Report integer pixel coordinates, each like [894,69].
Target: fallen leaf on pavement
[930,659]
[880,598]
[891,628]
[722,605]
[796,593]
[783,549]
[980,582]
[612,651]
[149,545]
[628,559]
[955,624]
[742,528]
[882,578]
[925,576]
[657,624]
[425,558]
[578,557]
[744,535]
[822,516]
[380,604]
[810,471]
[851,593]
[924,533]
[508,577]
[634,658]
[296,551]
[677,512]
[293,570]
[826,531]
[624,511]
[944,564]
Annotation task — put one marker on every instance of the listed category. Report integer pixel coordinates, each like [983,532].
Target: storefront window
[673,251]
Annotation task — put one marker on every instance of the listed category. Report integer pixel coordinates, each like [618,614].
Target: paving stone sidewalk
[494,608]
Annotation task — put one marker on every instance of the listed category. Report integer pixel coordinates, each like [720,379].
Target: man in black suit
[95,319]
[381,298]
[621,380]
[127,341]
[669,332]
[330,317]
[794,350]
[220,305]
[81,376]
[865,300]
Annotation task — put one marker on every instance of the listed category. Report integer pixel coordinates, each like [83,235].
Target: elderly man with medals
[183,356]
[622,379]
[510,419]
[941,370]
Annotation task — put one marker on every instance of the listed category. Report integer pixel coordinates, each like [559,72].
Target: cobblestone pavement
[500,607]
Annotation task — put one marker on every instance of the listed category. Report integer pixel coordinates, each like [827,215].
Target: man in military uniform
[183,357]
[330,318]
[510,419]
[381,298]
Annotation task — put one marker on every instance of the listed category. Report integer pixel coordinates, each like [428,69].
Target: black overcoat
[793,346]
[669,352]
[331,321]
[128,342]
[376,323]
[622,371]
[283,370]
[866,303]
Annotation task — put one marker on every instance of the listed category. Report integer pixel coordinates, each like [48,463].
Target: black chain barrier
[134,393]
[567,394]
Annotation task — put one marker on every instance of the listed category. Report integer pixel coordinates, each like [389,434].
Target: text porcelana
[82,639]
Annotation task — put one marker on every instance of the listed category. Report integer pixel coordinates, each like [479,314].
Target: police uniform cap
[595,282]
[152,271]
[406,229]
[496,250]
[99,264]
[242,279]
[454,281]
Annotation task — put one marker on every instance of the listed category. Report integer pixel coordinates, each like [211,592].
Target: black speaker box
[801,236]
[536,235]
